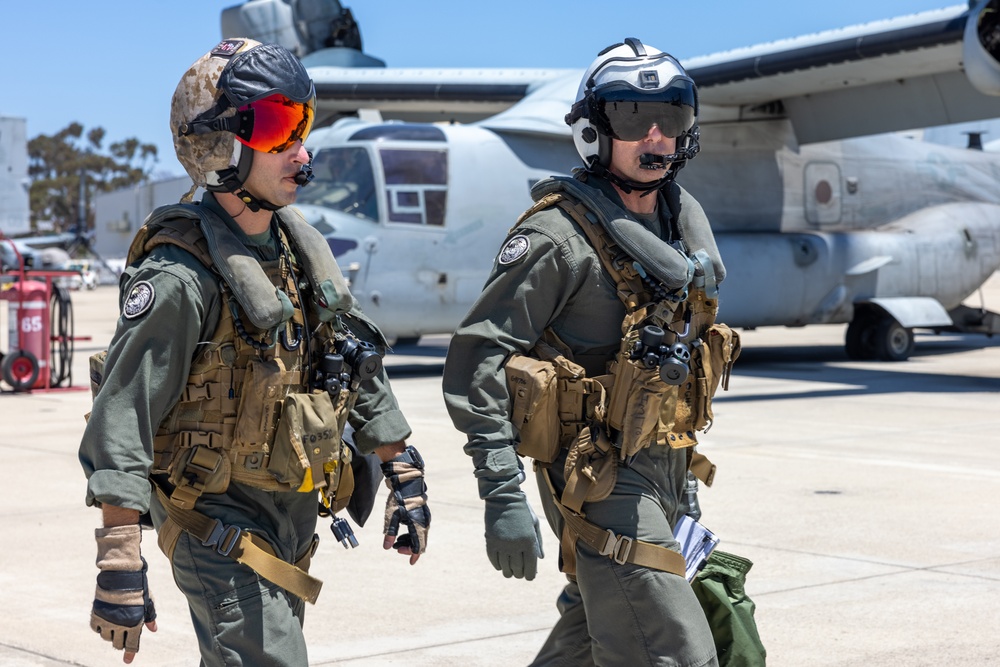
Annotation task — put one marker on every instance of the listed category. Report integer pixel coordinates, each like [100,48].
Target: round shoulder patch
[515,249]
[139,300]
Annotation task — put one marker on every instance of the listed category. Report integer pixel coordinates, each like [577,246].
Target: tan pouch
[712,364]
[260,401]
[591,470]
[97,371]
[534,406]
[308,437]
[206,469]
[635,401]
[339,481]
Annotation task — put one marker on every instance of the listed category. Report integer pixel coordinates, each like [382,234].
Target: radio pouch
[534,406]
[307,444]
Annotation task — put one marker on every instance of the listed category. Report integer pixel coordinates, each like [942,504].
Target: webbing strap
[628,284]
[245,548]
[619,548]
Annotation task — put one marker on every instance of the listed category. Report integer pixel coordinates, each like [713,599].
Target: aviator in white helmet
[629,88]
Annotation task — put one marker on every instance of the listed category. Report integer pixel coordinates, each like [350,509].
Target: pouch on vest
[636,399]
[690,410]
[263,389]
[308,438]
[535,406]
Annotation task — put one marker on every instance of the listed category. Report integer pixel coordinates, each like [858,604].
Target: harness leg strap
[245,548]
[619,548]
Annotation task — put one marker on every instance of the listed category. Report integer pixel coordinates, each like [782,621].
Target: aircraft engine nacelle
[981,47]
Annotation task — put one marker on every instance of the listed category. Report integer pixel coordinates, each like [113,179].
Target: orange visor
[276,123]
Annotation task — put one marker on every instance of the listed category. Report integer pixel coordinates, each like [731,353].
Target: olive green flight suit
[239,617]
[611,614]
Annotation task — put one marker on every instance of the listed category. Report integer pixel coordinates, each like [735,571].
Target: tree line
[69,168]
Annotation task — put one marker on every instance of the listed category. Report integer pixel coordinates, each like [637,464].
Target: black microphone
[305,175]
[654,161]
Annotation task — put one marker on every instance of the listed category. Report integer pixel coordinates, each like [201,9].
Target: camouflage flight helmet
[626,90]
[240,97]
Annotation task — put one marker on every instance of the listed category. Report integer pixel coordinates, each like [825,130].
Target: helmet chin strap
[627,185]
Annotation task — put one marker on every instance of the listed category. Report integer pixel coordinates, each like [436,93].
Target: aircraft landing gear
[877,336]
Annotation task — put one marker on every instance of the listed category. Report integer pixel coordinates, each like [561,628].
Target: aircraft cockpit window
[344,181]
[416,183]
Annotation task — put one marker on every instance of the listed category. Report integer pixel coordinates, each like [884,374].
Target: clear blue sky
[115,63]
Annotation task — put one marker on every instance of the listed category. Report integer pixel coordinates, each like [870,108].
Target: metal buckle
[223,537]
[617,548]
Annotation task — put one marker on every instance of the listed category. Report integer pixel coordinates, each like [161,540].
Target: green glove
[513,535]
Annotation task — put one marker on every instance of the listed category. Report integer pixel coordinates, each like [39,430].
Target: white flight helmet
[625,91]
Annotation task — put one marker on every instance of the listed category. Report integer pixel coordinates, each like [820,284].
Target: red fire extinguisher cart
[40,330]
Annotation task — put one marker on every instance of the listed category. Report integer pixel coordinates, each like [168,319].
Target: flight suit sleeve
[520,299]
[145,372]
[376,417]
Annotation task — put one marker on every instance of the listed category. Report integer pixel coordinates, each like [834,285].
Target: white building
[15,212]
[119,214]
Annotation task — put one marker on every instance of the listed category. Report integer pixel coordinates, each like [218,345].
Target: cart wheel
[20,370]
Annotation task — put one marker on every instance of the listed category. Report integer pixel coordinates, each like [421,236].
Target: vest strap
[245,548]
[619,548]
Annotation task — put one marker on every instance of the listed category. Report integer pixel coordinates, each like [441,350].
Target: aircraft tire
[859,342]
[893,341]
[20,370]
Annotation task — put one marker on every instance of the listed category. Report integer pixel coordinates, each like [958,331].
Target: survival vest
[248,412]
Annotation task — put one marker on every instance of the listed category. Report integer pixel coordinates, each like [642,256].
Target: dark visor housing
[626,113]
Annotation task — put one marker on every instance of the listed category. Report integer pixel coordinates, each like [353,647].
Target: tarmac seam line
[28,651]
[342,661]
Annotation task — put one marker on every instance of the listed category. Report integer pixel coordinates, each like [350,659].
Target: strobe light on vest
[351,363]
[653,351]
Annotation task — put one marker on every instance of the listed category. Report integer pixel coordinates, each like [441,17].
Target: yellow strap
[244,547]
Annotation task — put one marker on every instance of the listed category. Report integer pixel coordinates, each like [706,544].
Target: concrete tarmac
[864,493]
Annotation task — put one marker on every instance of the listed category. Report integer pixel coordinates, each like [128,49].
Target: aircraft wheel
[20,370]
[893,341]
[859,342]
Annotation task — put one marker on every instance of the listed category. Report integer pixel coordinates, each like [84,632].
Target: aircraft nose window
[343,181]
[416,183]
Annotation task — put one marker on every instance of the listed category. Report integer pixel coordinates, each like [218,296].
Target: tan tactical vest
[630,400]
[248,413]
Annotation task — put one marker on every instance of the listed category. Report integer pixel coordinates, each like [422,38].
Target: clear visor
[627,114]
[276,123]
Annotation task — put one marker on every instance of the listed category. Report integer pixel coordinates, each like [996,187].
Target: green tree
[57,163]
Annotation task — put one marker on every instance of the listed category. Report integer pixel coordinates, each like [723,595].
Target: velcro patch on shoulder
[516,248]
[139,300]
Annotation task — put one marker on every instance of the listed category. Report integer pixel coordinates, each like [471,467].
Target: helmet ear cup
[589,134]
[223,179]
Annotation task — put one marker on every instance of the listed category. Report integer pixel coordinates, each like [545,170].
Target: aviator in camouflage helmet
[240,97]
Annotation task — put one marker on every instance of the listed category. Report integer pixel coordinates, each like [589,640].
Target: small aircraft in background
[819,217]
[38,252]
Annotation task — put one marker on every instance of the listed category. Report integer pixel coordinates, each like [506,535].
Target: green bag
[719,588]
